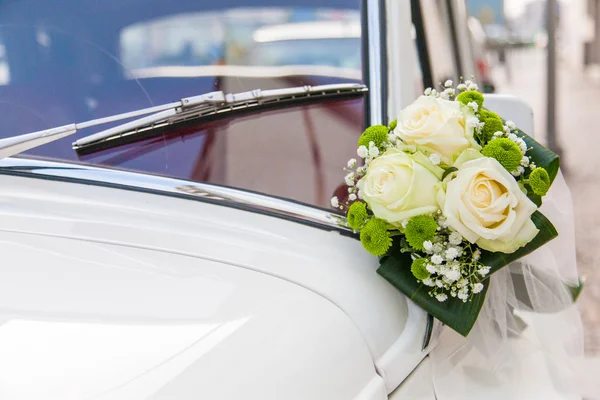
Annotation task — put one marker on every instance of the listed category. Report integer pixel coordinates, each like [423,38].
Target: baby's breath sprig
[445,262]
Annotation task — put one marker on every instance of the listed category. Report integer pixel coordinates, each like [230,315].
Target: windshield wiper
[187,109]
[209,106]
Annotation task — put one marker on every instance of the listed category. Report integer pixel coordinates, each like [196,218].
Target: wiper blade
[206,106]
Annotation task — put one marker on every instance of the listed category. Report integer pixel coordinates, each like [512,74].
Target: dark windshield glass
[65,61]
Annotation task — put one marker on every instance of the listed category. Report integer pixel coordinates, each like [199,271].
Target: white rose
[484,203]
[437,125]
[399,185]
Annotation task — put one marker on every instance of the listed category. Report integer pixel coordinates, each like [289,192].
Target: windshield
[66,61]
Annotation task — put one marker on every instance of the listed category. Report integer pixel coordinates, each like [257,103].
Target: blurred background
[516,44]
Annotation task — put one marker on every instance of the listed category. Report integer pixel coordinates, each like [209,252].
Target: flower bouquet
[446,195]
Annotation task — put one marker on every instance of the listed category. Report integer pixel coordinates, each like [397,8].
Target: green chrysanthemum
[470,96]
[419,270]
[357,215]
[505,151]
[539,180]
[393,124]
[492,123]
[420,229]
[375,237]
[376,134]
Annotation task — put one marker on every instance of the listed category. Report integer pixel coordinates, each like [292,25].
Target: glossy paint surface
[96,278]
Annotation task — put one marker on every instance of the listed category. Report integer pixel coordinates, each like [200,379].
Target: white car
[186,253]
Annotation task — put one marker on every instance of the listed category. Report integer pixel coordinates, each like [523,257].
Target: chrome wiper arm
[210,104]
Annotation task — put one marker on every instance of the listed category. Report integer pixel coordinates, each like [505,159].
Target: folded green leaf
[542,157]
[546,234]
[453,312]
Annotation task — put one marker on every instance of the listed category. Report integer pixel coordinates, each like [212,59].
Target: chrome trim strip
[375,60]
[225,196]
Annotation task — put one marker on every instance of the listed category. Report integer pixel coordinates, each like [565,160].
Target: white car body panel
[101,260]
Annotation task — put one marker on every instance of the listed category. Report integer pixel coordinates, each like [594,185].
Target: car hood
[111,262]
[84,320]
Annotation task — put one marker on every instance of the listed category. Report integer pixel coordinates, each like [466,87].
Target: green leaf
[453,312]
[546,234]
[576,290]
[448,172]
[541,156]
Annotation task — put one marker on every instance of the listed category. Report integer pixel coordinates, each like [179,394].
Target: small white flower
[360,194]
[439,283]
[427,91]
[473,122]
[476,254]
[438,248]
[428,282]
[435,159]
[518,171]
[462,283]
[522,145]
[444,95]
[511,125]
[432,269]
[463,296]
[362,152]
[478,287]
[461,87]
[427,245]
[451,253]
[513,137]
[443,222]
[352,163]
[352,197]
[452,275]
[472,86]
[525,161]
[373,151]
[473,105]
[483,271]
[450,92]
[455,238]
[335,203]
[441,297]
[437,259]
[498,134]
[349,179]
[448,83]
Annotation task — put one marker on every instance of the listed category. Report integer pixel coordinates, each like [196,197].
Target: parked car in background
[188,250]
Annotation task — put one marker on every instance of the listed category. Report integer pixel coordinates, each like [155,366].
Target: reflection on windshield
[70,61]
[222,43]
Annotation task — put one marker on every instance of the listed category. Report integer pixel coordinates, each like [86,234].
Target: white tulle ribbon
[528,337]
